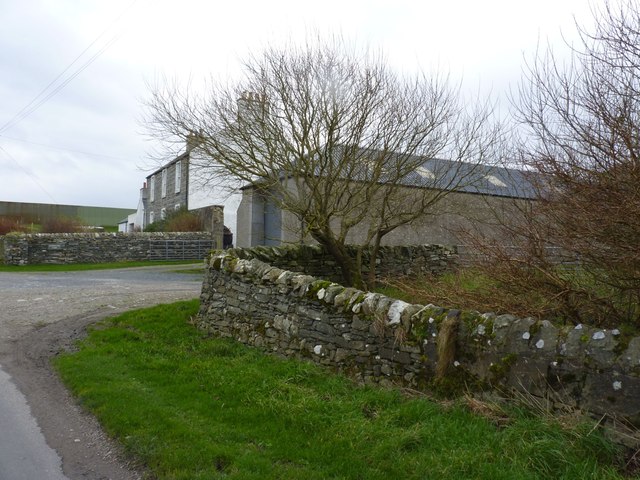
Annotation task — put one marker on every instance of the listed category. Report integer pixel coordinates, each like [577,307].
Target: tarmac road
[44,434]
[24,453]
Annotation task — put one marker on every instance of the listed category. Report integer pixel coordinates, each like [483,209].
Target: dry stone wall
[392,260]
[379,339]
[65,248]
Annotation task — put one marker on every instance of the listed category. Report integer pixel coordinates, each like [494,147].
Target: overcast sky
[85,145]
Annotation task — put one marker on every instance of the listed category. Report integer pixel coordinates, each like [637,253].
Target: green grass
[189,406]
[90,266]
[191,271]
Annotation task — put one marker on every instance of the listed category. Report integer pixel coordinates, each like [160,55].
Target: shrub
[61,225]
[183,221]
[492,287]
[10,224]
[579,119]
[180,220]
[157,226]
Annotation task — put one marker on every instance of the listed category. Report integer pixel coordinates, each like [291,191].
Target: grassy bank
[195,407]
[91,266]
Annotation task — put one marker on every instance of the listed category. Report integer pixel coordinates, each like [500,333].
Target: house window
[163,214]
[164,183]
[178,175]
[151,217]
[152,189]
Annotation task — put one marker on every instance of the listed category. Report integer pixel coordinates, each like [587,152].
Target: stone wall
[378,339]
[392,261]
[64,248]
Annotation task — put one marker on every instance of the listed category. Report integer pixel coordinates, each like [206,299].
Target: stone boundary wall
[378,339]
[392,260]
[65,248]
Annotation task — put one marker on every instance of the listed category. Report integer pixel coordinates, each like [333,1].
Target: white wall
[204,195]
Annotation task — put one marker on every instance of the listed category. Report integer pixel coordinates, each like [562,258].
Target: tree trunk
[371,276]
[358,268]
[351,275]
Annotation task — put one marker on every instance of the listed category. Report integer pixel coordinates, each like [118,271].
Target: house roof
[437,173]
[444,174]
[477,178]
[454,175]
[166,165]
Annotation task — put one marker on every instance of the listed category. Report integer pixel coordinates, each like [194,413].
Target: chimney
[193,140]
[252,106]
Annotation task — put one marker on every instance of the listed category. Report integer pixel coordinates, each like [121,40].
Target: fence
[179,249]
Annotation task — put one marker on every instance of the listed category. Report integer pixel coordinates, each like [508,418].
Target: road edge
[87,452]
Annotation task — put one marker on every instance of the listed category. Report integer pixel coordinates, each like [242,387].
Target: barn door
[272,223]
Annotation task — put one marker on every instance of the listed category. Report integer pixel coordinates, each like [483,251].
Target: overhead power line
[29,174]
[49,91]
[25,112]
[66,149]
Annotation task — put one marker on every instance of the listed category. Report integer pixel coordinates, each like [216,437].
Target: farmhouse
[472,198]
[176,185]
[490,192]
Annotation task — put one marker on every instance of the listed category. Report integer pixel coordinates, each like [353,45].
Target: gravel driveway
[44,313]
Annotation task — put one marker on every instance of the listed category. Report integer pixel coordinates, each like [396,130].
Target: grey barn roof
[448,175]
[479,179]
[465,177]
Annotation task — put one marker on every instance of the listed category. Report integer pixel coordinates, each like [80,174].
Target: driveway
[42,314]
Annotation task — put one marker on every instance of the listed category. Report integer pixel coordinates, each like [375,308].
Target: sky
[75,74]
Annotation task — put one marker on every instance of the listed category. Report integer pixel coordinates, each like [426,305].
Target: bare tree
[334,137]
[581,136]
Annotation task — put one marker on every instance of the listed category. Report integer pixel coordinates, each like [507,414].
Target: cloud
[96,114]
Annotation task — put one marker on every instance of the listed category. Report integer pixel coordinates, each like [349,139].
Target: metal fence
[180,249]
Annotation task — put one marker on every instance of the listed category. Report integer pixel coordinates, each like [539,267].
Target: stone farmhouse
[174,186]
[255,220]
[168,188]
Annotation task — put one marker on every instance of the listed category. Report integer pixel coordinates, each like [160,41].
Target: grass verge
[194,407]
[90,266]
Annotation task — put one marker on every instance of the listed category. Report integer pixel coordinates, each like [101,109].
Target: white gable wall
[202,195]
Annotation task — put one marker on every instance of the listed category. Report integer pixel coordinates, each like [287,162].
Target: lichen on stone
[395,312]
